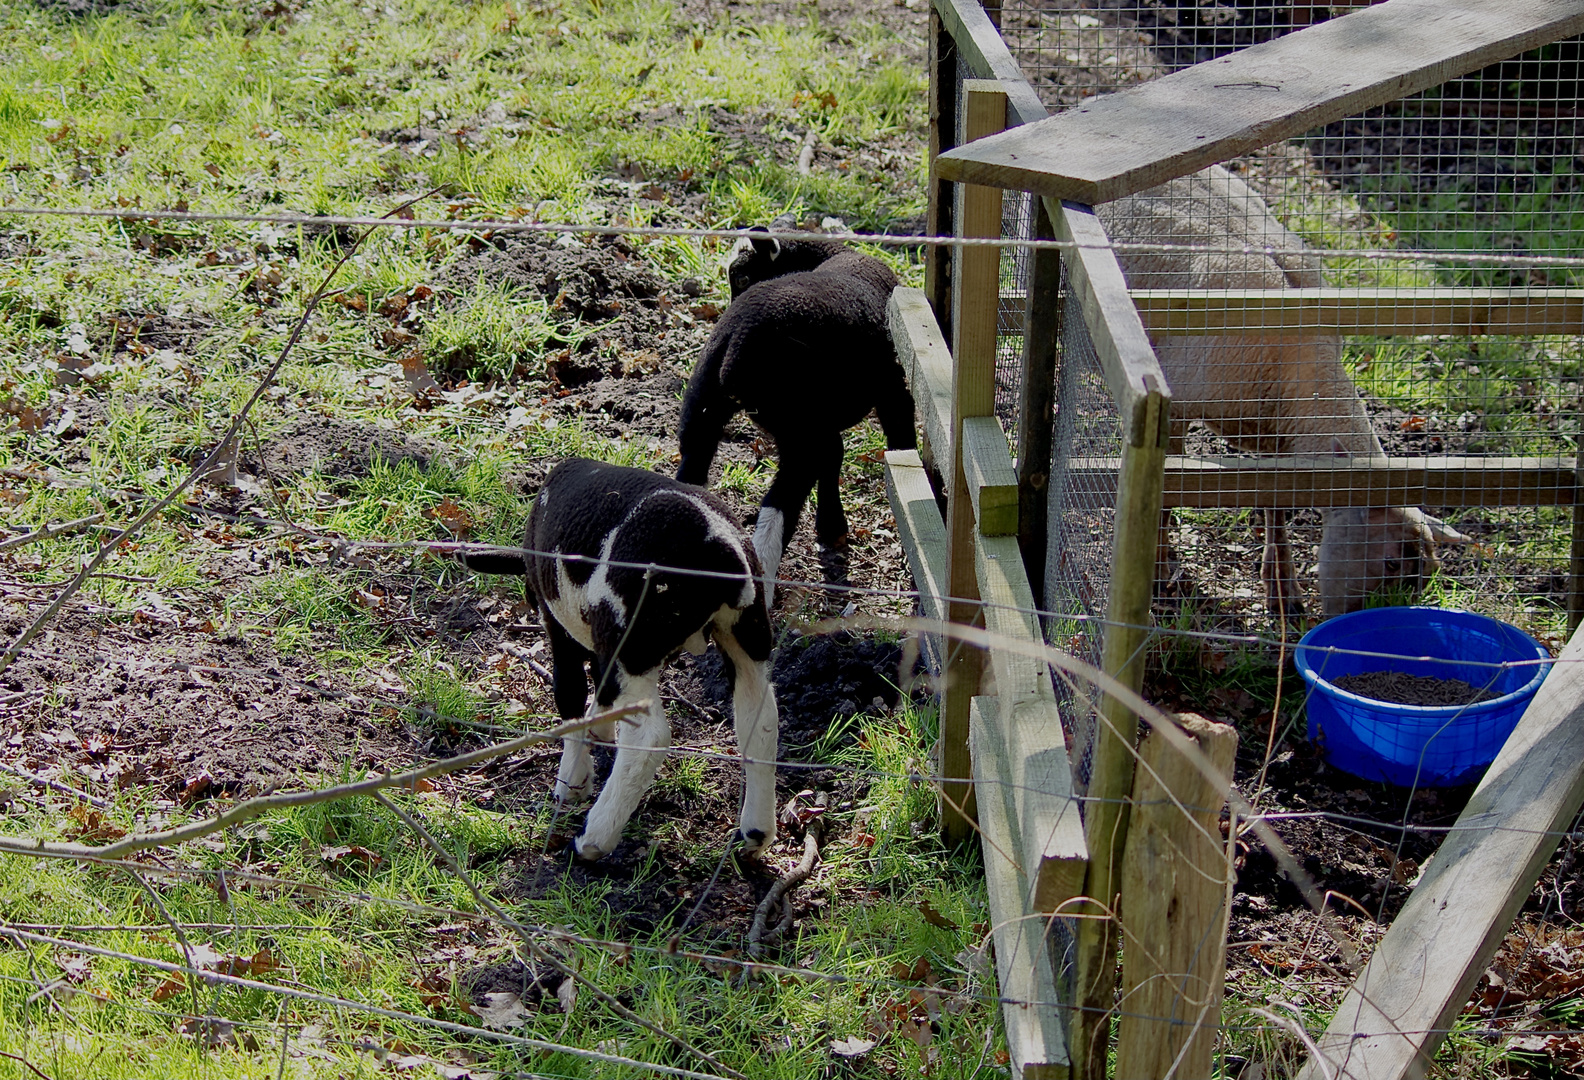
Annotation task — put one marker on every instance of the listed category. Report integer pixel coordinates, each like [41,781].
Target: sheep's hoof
[753,841]
[587,850]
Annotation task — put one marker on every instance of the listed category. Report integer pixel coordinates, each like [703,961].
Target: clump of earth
[1401,688]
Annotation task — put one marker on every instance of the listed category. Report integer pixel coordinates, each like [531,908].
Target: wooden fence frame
[987,496]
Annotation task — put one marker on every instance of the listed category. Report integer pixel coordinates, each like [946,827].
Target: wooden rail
[1117,144]
[1376,312]
[1296,483]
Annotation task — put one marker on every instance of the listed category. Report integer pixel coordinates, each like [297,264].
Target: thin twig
[26,1064]
[221,452]
[53,785]
[246,811]
[48,531]
[781,892]
[539,952]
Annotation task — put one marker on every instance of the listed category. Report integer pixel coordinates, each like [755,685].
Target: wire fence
[1072,608]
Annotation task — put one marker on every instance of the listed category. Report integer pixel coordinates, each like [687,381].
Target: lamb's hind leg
[1276,568]
[641,743]
[830,520]
[796,473]
[746,646]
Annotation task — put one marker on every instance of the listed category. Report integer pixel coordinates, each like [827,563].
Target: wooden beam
[1121,343]
[1174,905]
[987,57]
[1024,969]
[1381,312]
[942,137]
[992,482]
[1052,846]
[1421,975]
[976,284]
[1117,144]
[920,529]
[1128,599]
[1295,482]
[927,362]
[1036,419]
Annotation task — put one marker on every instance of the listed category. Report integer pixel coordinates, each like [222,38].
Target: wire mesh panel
[1483,166]
[1082,524]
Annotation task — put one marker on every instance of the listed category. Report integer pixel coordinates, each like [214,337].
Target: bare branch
[246,811]
[48,531]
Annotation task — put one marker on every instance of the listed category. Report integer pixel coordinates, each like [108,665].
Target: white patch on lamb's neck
[768,542]
[721,528]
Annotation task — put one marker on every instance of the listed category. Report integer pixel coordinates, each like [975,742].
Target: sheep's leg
[1276,568]
[830,521]
[782,506]
[894,410]
[706,410]
[641,743]
[746,648]
[568,660]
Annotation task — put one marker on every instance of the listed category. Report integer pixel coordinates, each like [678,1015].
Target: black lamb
[803,349]
[609,555]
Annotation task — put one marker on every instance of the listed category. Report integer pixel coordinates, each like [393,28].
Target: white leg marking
[640,747]
[758,733]
[577,769]
[768,543]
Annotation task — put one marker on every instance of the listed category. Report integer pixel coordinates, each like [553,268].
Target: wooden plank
[976,283]
[1037,402]
[942,136]
[1117,144]
[1052,846]
[1423,971]
[1299,482]
[1383,312]
[920,529]
[924,357]
[987,57]
[1024,971]
[1111,770]
[1174,902]
[992,482]
[1120,341]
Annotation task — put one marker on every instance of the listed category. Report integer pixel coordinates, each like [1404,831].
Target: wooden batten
[987,57]
[920,529]
[1320,482]
[927,362]
[1117,144]
[1024,969]
[1528,312]
[992,482]
[1052,841]
[1422,973]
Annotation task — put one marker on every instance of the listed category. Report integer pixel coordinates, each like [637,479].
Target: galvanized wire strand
[877,239]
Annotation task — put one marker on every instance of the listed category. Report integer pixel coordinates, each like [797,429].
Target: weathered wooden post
[1174,893]
[976,294]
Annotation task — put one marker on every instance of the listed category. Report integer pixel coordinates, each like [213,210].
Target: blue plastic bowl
[1412,745]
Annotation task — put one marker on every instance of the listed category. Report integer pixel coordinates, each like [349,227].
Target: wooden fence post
[976,293]
[1138,509]
[1042,329]
[942,137]
[1174,890]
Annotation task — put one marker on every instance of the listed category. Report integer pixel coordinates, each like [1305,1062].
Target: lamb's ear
[1439,532]
[769,246]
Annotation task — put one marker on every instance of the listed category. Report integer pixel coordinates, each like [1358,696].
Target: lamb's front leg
[758,728]
[641,743]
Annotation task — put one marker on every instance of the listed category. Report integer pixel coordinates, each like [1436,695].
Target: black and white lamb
[628,568]
[804,350]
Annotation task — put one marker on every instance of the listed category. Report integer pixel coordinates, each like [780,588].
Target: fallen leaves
[92,825]
[348,855]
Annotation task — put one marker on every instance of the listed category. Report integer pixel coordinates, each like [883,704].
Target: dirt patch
[341,448]
[1404,689]
[153,703]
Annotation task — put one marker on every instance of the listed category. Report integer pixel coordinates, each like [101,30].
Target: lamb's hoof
[587,850]
[755,840]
